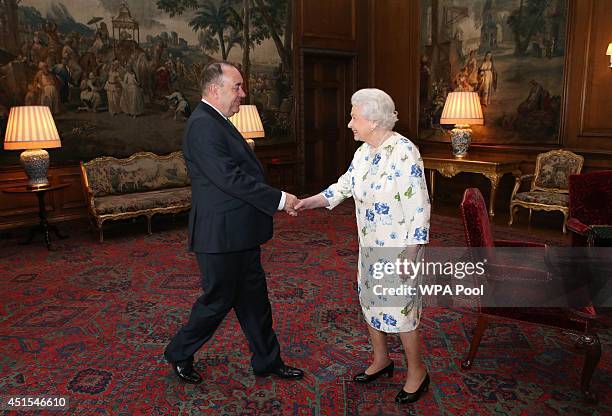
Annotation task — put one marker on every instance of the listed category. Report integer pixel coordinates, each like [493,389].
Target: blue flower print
[420,234]
[328,193]
[376,159]
[389,320]
[405,140]
[381,208]
[375,322]
[416,171]
[370,270]
[369,215]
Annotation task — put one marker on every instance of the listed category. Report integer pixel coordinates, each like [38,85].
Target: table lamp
[31,128]
[461,109]
[248,123]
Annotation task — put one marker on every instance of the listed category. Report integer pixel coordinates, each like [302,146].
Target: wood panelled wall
[588,112]
[328,67]
[384,34]
[376,42]
[394,57]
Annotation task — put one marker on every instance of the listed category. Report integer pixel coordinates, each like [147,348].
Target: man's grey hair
[213,74]
[376,106]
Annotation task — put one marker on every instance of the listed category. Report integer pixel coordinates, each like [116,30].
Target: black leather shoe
[284,371]
[404,397]
[187,373]
[366,378]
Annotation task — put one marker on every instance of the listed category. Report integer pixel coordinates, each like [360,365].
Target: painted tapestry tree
[527,21]
[243,22]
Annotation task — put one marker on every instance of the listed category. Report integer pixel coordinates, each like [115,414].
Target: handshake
[293,204]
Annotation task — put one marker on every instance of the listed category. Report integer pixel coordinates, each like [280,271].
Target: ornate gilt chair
[578,323]
[549,184]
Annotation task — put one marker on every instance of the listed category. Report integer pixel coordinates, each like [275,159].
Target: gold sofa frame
[97,220]
[514,205]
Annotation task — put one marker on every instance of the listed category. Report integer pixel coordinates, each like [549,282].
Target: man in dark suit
[231,216]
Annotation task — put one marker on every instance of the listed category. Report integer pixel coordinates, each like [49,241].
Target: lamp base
[35,163]
[461,137]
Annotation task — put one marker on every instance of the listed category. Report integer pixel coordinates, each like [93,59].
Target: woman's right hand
[315,201]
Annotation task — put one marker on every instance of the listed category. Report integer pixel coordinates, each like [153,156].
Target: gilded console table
[492,167]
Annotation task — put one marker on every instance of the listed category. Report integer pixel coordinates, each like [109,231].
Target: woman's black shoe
[366,378]
[404,397]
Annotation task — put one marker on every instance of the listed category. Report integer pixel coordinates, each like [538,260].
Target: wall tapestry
[511,52]
[122,76]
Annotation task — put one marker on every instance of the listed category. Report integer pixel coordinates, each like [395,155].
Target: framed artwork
[122,76]
[511,52]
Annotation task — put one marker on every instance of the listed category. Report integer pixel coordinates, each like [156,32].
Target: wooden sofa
[144,184]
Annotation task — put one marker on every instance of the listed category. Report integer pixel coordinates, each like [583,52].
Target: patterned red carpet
[89,322]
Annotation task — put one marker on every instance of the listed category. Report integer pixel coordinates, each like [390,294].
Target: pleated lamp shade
[31,127]
[462,108]
[248,122]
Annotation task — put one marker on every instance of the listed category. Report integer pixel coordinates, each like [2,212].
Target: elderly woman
[386,181]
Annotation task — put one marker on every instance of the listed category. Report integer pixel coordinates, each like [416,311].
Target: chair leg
[100,232]
[592,354]
[529,220]
[481,326]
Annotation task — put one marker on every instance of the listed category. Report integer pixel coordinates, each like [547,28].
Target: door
[329,82]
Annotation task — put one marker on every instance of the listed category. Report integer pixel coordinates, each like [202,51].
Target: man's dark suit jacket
[232,206]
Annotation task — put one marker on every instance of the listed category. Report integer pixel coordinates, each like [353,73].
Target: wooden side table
[43,226]
[493,168]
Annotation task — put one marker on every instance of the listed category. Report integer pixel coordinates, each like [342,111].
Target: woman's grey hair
[377,106]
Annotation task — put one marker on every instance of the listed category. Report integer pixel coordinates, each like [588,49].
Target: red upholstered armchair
[578,324]
[590,203]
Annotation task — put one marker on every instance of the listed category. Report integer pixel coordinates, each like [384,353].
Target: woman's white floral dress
[392,208]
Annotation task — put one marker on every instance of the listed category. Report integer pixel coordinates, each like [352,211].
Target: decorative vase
[461,137]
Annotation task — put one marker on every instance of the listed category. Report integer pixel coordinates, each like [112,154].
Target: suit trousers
[230,280]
